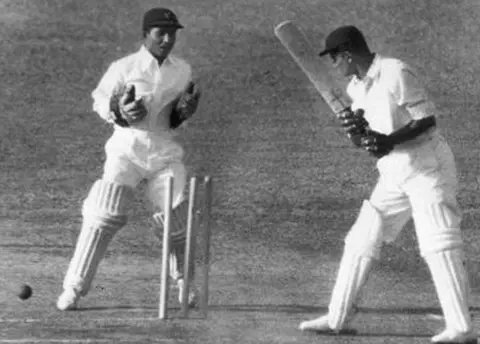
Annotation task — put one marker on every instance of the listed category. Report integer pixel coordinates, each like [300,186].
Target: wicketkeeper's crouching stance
[394,120]
[146,95]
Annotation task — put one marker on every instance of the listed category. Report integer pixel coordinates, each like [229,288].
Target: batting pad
[365,236]
[451,282]
[104,213]
[437,226]
[177,261]
[177,237]
[362,246]
[352,275]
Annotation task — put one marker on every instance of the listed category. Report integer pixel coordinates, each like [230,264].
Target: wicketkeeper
[146,96]
[394,119]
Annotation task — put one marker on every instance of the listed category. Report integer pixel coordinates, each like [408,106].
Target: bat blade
[297,44]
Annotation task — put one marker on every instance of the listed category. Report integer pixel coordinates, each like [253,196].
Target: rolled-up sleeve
[110,83]
[409,92]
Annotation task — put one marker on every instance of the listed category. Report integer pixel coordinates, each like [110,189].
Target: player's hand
[132,110]
[126,109]
[353,122]
[376,143]
[186,105]
[188,102]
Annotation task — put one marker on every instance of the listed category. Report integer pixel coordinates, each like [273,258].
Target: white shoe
[453,336]
[320,324]
[68,300]
[192,294]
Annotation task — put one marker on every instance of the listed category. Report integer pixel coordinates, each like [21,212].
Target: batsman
[394,119]
[146,96]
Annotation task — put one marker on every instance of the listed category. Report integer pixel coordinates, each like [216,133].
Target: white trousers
[420,183]
[134,155]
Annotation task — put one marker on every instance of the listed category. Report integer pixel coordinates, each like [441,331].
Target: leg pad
[104,214]
[362,246]
[178,238]
[451,282]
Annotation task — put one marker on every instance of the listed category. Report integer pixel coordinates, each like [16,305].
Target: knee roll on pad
[437,226]
[436,215]
[107,202]
[365,236]
[449,239]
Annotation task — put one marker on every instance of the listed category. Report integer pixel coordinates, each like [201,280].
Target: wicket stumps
[190,244]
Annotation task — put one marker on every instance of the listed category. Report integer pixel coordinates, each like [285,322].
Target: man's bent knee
[107,200]
[178,223]
[438,227]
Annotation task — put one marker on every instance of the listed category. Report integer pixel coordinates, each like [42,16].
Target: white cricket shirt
[157,85]
[391,95]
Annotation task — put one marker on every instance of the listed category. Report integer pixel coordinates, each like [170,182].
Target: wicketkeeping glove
[126,109]
[186,105]
[376,143]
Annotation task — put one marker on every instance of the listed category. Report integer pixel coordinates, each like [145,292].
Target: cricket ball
[24,292]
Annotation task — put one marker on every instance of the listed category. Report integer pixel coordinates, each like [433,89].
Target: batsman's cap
[344,38]
[160,17]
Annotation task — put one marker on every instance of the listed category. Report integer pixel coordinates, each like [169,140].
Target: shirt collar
[146,59]
[374,68]
[372,72]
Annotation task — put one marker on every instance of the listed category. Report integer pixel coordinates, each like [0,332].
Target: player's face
[342,63]
[160,41]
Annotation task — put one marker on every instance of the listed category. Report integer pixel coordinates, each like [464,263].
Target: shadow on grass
[29,246]
[116,307]
[286,309]
[408,310]
[293,309]
[282,308]
[356,333]
[360,334]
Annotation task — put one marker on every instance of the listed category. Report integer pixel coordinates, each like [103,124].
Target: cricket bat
[318,72]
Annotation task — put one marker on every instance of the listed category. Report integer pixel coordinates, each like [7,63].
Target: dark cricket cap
[160,17]
[344,38]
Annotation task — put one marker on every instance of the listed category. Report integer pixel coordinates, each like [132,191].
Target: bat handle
[348,112]
[345,112]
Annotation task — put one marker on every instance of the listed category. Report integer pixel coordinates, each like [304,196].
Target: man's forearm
[111,83]
[412,130]
[102,108]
